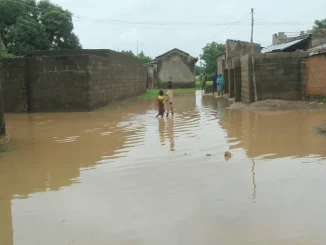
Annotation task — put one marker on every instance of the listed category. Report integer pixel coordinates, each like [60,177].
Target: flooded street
[122,176]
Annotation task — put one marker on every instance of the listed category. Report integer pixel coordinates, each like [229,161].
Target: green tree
[128,52]
[199,70]
[145,59]
[25,24]
[26,35]
[210,53]
[319,24]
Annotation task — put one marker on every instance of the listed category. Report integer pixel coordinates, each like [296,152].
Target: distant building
[175,64]
[303,42]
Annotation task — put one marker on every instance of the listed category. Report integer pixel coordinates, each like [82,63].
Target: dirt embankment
[278,105]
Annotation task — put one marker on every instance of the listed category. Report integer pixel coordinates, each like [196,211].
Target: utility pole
[252,55]
[2,117]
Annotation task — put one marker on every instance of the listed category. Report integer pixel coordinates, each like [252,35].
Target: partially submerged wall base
[70,82]
[278,76]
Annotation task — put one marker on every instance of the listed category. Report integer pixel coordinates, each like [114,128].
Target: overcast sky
[155,40]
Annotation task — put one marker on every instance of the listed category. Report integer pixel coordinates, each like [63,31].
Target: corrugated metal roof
[282,46]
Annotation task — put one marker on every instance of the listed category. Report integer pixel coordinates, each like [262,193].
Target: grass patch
[153,93]
[318,99]
[198,84]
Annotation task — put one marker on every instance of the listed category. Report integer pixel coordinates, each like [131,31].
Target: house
[304,42]
[174,64]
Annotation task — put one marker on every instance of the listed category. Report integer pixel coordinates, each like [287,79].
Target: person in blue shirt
[220,84]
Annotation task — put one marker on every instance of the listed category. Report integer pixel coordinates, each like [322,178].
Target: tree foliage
[209,55]
[27,25]
[319,24]
[145,59]
[199,70]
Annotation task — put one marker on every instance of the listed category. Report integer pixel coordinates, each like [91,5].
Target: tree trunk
[2,117]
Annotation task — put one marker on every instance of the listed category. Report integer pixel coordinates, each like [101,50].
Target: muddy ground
[277,105]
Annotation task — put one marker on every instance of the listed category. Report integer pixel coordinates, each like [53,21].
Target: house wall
[315,83]
[278,76]
[178,66]
[221,63]
[70,83]
[236,66]
[152,76]
[318,37]
[235,48]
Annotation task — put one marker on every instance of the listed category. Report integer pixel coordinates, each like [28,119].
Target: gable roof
[174,50]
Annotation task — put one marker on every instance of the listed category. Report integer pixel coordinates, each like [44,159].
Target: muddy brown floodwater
[122,176]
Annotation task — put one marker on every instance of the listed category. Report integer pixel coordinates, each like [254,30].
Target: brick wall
[221,63]
[278,76]
[58,83]
[2,111]
[236,66]
[179,66]
[14,84]
[246,79]
[115,78]
[70,82]
[315,84]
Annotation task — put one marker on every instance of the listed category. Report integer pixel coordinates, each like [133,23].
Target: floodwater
[122,176]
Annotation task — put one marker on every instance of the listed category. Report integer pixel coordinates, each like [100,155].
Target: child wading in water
[161,99]
[169,99]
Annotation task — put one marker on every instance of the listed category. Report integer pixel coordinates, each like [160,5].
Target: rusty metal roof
[282,46]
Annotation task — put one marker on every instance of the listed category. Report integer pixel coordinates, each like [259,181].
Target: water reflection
[272,135]
[121,176]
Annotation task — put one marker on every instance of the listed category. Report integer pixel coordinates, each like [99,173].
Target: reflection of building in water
[41,162]
[218,104]
[275,134]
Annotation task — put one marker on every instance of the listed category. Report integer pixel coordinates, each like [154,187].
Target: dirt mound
[277,105]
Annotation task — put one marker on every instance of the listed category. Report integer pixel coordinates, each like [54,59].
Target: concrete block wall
[315,79]
[14,84]
[246,79]
[231,82]
[278,76]
[2,111]
[70,82]
[236,66]
[226,81]
[58,83]
[115,78]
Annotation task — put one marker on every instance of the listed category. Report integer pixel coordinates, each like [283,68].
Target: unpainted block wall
[178,66]
[246,79]
[315,83]
[58,83]
[70,82]
[115,78]
[13,78]
[2,111]
[236,65]
[278,76]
